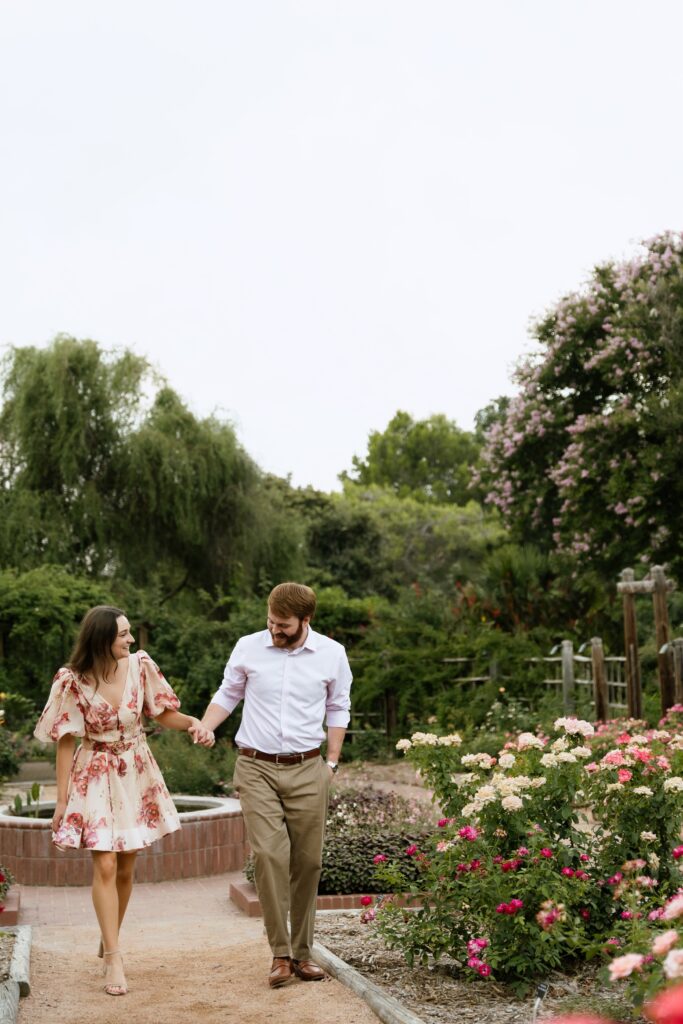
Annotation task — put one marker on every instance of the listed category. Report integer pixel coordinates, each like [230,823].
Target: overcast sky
[308,215]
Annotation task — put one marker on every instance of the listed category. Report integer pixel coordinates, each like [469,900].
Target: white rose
[643,791]
[648,837]
[581,752]
[485,795]
[566,757]
[403,745]
[673,964]
[528,739]
[452,740]
[506,760]
[511,803]
[675,783]
[549,760]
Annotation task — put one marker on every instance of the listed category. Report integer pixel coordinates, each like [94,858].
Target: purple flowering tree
[587,459]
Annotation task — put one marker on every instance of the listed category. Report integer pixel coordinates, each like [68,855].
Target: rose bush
[556,848]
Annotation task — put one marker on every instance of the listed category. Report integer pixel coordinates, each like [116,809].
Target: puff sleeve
[62,715]
[157,694]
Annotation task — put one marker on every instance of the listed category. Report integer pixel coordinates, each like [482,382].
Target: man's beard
[284,640]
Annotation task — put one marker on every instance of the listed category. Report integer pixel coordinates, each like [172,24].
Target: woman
[111,797]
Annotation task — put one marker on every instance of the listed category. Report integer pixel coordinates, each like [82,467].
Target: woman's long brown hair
[92,650]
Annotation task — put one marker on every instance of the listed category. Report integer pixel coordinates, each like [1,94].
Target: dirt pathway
[189,956]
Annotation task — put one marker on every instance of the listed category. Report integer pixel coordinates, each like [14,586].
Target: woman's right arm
[65,753]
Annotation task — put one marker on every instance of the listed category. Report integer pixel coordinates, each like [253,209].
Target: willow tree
[103,469]
[66,414]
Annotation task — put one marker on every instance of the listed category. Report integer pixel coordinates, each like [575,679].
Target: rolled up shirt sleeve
[231,691]
[338,704]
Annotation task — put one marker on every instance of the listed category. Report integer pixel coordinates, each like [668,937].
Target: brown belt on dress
[259,755]
[117,747]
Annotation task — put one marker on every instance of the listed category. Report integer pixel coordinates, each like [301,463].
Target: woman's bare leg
[125,871]
[105,899]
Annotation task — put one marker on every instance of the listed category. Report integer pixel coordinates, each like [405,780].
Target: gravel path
[189,956]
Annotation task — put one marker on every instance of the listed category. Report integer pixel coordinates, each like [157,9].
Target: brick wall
[207,844]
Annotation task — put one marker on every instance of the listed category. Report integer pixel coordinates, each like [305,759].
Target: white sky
[308,215]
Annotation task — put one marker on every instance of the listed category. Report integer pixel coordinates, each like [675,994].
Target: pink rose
[379,858]
[365,901]
[674,908]
[664,942]
[624,966]
[667,1007]
[624,775]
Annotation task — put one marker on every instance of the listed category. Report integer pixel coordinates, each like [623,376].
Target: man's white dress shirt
[287,693]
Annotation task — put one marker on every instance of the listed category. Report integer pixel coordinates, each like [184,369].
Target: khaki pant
[285,809]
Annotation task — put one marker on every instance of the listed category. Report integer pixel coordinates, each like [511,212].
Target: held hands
[200,734]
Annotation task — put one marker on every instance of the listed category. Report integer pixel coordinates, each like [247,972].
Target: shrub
[552,850]
[191,769]
[361,824]
[6,882]
[9,761]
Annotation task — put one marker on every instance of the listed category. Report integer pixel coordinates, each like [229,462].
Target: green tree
[66,412]
[40,611]
[429,460]
[103,469]
[587,457]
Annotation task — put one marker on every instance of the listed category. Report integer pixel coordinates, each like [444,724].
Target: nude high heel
[109,988]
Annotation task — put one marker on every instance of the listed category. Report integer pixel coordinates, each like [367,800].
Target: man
[291,678]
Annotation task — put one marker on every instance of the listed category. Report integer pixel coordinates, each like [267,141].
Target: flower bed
[552,852]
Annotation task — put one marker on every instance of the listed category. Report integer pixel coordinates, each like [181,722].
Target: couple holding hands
[111,797]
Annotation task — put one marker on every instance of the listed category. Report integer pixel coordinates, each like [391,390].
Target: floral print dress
[117,798]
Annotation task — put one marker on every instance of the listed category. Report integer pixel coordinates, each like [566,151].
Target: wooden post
[568,676]
[143,636]
[633,683]
[677,646]
[599,680]
[659,592]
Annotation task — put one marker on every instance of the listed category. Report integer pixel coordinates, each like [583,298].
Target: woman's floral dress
[117,797]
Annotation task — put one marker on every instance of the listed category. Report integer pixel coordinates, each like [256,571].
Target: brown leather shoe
[281,972]
[307,970]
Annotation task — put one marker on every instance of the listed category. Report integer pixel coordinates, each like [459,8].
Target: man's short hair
[287,599]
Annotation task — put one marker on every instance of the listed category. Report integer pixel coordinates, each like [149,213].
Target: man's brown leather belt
[280,758]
